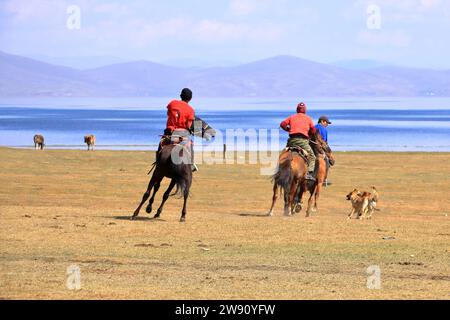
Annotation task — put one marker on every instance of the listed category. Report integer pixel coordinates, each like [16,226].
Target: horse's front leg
[287,193]
[310,202]
[299,197]
[155,190]
[293,193]
[145,196]
[165,197]
[185,195]
[274,199]
[316,195]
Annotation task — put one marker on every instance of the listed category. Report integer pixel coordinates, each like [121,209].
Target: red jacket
[298,123]
[179,115]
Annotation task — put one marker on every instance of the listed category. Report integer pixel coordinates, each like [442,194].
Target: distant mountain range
[359,64]
[81,62]
[280,76]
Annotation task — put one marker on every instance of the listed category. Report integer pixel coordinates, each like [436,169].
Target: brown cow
[38,141]
[90,141]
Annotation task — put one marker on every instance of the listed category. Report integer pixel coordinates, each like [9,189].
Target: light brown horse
[321,149]
[290,177]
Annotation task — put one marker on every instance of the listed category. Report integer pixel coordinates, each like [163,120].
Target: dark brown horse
[174,163]
[290,177]
[321,149]
[38,140]
[90,141]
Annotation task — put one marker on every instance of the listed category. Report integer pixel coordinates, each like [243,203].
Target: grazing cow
[90,141]
[38,141]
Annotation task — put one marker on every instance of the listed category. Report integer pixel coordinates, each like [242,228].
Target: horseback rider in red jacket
[300,126]
[180,116]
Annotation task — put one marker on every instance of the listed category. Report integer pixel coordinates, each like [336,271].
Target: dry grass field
[59,208]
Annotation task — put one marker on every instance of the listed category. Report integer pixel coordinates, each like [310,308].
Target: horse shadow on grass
[253,214]
[138,218]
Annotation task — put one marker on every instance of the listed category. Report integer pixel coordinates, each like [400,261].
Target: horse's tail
[283,176]
[181,181]
[180,187]
[181,175]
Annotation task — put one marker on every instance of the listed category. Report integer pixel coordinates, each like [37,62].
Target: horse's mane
[315,143]
[319,145]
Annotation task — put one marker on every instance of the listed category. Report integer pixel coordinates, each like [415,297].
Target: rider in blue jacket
[321,127]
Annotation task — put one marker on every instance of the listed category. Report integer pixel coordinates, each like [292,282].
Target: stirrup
[194,167]
[310,177]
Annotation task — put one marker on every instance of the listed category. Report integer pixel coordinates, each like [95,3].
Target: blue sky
[412,32]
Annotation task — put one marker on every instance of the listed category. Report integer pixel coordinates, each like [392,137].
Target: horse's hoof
[298,208]
[156,216]
[270,214]
[148,209]
[182,219]
[132,218]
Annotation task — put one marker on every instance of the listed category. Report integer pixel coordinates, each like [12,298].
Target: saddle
[171,139]
[301,152]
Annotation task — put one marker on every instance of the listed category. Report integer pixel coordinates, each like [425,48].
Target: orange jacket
[298,123]
[179,115]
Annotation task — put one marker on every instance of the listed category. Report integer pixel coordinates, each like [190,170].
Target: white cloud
[384,39]
[216,31]
[243,7]
[404,12]
[431,3]
[27,11]
[406,6]
[249,7]
[111,9]
[114,25]
[140,33]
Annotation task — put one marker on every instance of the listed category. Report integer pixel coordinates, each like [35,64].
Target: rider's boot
[310,176]
[193,165]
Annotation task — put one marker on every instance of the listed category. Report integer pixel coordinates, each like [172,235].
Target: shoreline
[106,148]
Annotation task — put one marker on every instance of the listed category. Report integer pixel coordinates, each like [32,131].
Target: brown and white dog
[363,203]
[372,205]
[359,203]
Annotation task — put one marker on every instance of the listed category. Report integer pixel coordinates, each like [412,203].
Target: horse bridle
[206,127]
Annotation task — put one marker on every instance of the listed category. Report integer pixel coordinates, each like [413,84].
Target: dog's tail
[374,194]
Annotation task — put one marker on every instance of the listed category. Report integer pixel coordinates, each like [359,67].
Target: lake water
[390,124]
